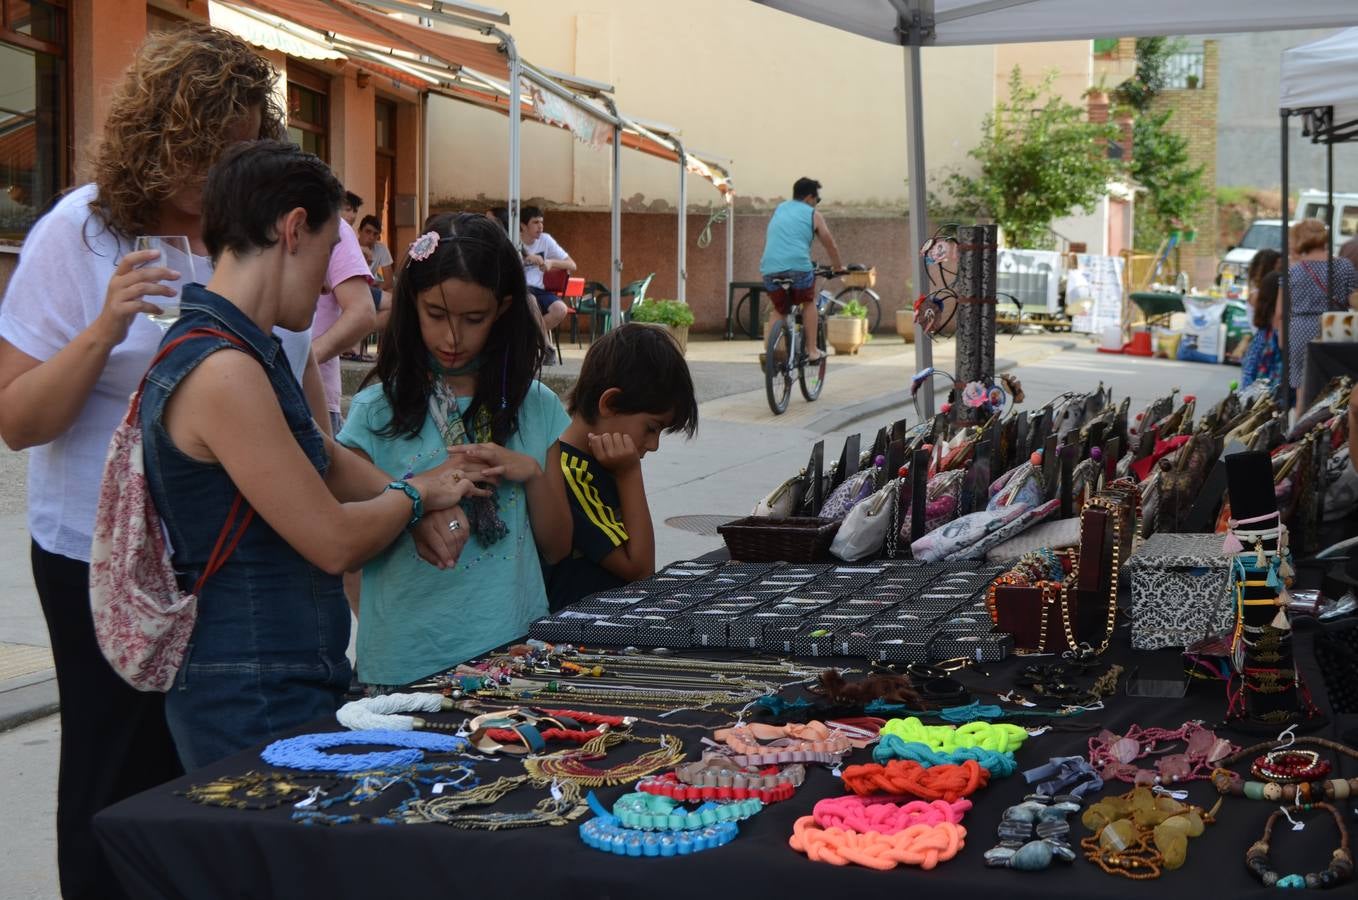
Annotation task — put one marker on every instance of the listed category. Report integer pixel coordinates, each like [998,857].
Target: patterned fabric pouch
[851,491]
[941,499]
[142,619]
[964,532]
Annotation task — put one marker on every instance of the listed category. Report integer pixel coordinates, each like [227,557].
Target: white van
[1268,232]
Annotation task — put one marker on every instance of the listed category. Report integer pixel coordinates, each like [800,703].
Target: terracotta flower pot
[905,325]
[846,333]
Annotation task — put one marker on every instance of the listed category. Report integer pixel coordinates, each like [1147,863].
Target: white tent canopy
[1322,73]
[915,24]
[959,22]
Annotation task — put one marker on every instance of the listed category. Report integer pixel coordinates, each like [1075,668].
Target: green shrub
[664,312]
[853,309]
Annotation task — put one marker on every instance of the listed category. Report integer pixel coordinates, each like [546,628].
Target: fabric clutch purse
[864,531]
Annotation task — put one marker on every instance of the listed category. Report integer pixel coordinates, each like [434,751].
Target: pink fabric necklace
[1114,756]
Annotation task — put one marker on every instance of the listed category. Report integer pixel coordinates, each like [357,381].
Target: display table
[162,845]
[1158,306]
[1325,360]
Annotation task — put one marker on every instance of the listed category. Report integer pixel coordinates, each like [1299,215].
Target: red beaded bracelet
[1291,766]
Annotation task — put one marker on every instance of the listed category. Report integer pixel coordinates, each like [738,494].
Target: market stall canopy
[1322,73]
[348,23]
[949,23]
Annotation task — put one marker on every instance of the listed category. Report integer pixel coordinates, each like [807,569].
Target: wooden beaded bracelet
[1338,871]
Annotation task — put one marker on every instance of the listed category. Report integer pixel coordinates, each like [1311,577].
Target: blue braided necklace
[305,750]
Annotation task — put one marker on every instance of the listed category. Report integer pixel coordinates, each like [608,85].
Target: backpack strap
[222,550]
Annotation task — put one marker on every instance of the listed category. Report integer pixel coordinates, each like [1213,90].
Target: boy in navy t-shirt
[633,385]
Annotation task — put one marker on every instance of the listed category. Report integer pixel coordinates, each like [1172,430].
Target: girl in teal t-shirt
[457,379]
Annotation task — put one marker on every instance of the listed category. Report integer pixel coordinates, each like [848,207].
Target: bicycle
[784,351]
[748,322]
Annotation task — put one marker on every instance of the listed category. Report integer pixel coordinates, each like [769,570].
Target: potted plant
[671,315]
[1192,82]
[848,330]
[905,324]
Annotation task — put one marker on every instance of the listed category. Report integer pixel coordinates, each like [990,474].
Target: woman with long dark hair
[457,378]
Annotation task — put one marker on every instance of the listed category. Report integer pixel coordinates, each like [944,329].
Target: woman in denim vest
[268,650]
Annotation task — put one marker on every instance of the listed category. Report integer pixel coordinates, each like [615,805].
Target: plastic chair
[599,304]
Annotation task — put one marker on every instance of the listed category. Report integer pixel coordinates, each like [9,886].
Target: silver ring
[454,525]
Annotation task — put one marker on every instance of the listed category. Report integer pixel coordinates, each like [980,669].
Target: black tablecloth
[162,845]
[1325,360]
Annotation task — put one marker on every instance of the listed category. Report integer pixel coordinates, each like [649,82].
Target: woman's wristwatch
[417,503]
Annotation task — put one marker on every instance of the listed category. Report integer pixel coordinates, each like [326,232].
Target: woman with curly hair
[73,347]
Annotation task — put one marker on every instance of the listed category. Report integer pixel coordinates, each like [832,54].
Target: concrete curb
[23,701]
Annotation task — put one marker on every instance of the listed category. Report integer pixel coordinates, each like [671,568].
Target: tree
[1174,190]
[1040,160]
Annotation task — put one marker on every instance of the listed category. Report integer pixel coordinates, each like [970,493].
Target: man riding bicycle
[787,254]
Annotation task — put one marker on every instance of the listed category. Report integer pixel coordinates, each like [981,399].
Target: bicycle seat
[784,283]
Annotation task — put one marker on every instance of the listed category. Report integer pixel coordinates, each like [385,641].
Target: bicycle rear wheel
[778,366]
[811,377]
[868,297]
[741,315]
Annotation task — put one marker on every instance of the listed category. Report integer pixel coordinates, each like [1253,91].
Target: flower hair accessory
[423,246]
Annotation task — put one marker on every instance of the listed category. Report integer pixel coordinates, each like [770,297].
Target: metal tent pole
[730,248]
[615,223]
[1329,215]
[1283,115]
[919,214]
[515,129]
[683,219]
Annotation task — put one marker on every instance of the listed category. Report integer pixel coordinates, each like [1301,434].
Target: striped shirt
[596,514]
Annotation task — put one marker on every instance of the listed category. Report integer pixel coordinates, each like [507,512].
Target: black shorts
[544,297]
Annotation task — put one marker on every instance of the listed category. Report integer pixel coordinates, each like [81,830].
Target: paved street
[741,453]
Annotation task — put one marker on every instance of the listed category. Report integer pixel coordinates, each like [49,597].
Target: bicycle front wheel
[811,376]
[778,366]
[868,297]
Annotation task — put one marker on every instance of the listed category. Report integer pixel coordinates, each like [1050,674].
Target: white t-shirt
[547,248]
[56,292]
[381,259]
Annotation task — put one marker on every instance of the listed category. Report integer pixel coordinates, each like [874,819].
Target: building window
[309,111]
[33,112]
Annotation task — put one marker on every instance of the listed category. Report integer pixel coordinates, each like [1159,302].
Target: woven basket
[801,540]
[865,278]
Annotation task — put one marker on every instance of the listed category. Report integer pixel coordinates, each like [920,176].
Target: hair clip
[423,246]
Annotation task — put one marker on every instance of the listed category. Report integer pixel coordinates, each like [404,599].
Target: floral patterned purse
[142,619]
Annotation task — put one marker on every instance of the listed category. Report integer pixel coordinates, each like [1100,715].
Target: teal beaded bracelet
[651,812]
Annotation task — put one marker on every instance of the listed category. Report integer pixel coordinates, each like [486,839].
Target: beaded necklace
[573,765]
[717,779]
[651,812]
[603,833]
[1112,756]
[1308,786]
[1033,833]
[304,750]
[257,790]
[561,806]
[1138,835]
[371,784]
[1338,871]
